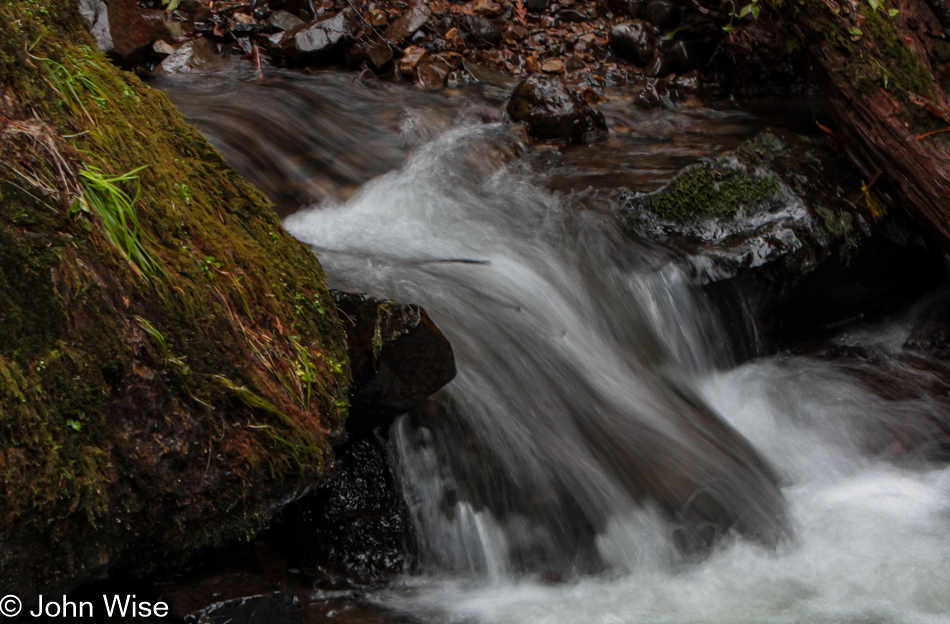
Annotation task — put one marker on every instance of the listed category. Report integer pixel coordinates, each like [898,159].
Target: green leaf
[746,10]
[875,4]
[727,28]
[755,11]
[855,32]
[75,425]
[892,12]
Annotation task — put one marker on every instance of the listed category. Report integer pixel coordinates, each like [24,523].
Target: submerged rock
[552,111]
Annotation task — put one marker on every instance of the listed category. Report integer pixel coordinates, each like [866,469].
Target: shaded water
[582,439]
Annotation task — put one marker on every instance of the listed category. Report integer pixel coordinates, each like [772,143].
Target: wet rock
[432,75]
[485,8]
[398,358]
[554,66]
[285,20]
[572,16]
[377,18]
[187,57]
[132,30]
[310,40]
[661,13]
[478,31]
[773,233]
[625,8]
[488,74]
[538,6]
[411,58]
[551,111]
[376,54]
[634,41]
[931,329]
[355,529]
[679,57]
[407,24]
[684,87]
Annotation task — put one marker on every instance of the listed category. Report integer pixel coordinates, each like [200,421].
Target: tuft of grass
[102,196]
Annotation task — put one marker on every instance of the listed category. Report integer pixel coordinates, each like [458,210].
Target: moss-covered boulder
[172,368]
[786,235]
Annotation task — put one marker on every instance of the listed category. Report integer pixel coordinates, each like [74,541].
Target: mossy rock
[160,395]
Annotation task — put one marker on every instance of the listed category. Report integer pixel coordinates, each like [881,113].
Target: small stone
[547,21]
[432,75]
[412,56]
[532,64]
[407,24]
[377,18]
[554,66]
[479,30]
[284,20]
[574,63]
[485,8]
[316,37]
[570,15]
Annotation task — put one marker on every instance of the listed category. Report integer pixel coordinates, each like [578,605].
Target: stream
[602,456]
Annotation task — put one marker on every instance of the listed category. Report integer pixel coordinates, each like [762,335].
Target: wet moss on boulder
[172,367]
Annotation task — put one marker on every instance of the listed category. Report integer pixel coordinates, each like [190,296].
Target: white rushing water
[586,362]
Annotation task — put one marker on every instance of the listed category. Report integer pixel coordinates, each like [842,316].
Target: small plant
[103,197]
[209,265]
[69,84]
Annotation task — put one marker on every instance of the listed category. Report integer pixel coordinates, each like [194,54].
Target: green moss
[703,192]
[101,422]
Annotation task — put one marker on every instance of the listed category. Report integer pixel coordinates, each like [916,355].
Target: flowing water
[600,457]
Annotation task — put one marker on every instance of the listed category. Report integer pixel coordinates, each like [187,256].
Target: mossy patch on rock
[705,191]
[144,412]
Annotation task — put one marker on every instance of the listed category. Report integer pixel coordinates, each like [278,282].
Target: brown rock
[377,18]
[486,8]
[554,66]
[407,25]
[133,29]
[412,56]
[432,75]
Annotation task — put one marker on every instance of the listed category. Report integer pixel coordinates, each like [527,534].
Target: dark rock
[285,20]
[537,6]
[354,529]
[931,330]
[625,8]
[407,24]
[551,111]
[682,56]
[634,41]
[398,358]
[304,42]
[376,54]
[570,15]
[661,13]
[684,87]
[478,30]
